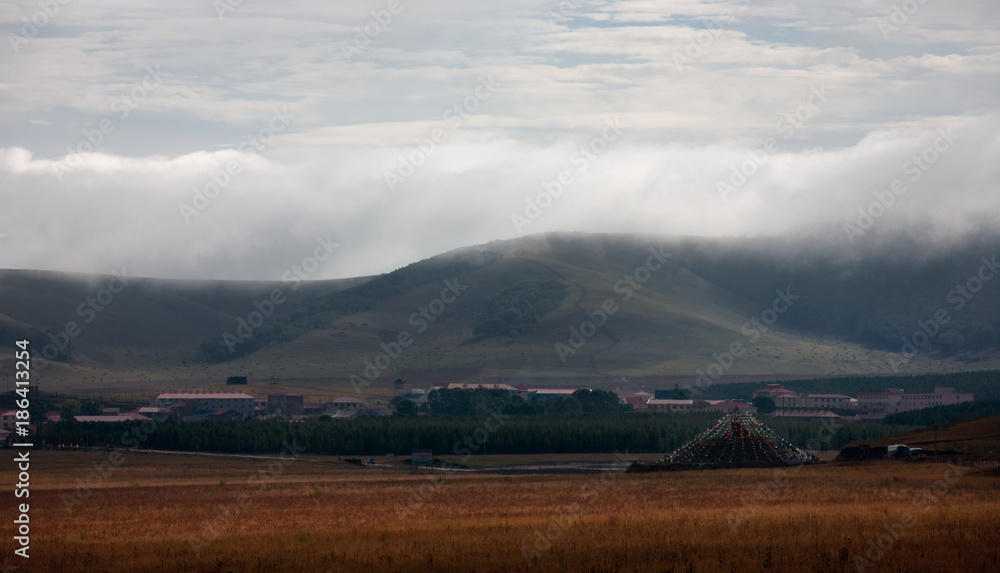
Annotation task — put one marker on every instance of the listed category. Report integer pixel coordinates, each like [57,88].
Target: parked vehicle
[898,451]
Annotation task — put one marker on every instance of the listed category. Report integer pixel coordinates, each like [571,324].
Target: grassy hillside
[618,311]
[975,436]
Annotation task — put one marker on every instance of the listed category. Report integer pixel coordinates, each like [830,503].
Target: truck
[898,451]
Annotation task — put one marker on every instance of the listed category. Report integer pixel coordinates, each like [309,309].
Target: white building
[829,401]
[675,406]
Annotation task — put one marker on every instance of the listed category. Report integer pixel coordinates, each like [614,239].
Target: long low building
[677,406]
[894,400]
[237,401]
[785,398]
[805,414]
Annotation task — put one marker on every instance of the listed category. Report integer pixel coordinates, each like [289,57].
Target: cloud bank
[205,142]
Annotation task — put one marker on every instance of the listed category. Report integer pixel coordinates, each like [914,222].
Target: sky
[234,139]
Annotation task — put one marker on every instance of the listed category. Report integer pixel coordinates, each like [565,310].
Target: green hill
[611,310]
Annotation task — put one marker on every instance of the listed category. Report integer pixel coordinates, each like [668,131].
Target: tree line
[946,414]
[517,309]
[483,401]
[493,433]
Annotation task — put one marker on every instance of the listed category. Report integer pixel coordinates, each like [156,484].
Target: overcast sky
[223,139]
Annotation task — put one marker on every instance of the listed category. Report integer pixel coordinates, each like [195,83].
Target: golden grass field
[317,514]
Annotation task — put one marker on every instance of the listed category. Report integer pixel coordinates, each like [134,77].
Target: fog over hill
[553,306]
[823,177]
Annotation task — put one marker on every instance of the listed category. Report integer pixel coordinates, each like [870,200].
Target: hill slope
[657,305]
[975,436]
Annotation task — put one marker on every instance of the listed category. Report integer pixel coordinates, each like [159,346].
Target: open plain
[132,511]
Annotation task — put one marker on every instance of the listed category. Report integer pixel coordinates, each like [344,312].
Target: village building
[680,406]
[343,403]
[894,400]
[8,419]
[782,397]
[829,401]
[212,401]
[285,404]
[803,414]
[154,413]
[474,386]
[541,394]
[638,400]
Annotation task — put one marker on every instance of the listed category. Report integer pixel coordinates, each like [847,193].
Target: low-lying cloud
[249,133]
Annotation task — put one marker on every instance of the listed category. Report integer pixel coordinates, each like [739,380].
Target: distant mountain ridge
[783,305]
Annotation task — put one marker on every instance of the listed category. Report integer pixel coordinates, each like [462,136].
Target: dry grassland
[186,513]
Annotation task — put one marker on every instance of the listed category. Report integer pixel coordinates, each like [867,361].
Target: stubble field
[168,512]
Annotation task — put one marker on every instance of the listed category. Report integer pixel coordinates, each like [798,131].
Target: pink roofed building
[782,397]
[894,400]
[829,401]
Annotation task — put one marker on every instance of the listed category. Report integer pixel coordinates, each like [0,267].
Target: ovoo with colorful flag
[738,440]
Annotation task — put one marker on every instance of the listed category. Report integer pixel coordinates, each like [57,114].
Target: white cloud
[562,69]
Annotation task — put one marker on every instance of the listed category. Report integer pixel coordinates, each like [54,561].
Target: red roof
[203,396]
